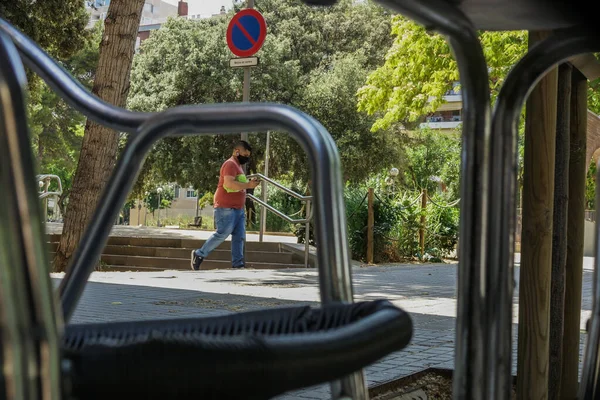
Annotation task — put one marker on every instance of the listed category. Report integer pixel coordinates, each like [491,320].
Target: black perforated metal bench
[254,355]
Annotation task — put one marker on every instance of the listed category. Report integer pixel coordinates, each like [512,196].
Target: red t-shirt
[229,198]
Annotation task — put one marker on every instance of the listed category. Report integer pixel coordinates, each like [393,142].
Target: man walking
[229,202]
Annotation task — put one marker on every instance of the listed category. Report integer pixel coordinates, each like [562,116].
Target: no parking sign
[246,32]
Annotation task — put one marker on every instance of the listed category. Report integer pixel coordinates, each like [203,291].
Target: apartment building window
[149,8]
[190,194]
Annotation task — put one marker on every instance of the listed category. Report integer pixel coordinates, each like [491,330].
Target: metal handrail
[45,177]
[472,375]
[30,324]
[305,220]
[277,212]
[280,186]
[43,195]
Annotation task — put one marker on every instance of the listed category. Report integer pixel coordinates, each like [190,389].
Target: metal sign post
[245,36]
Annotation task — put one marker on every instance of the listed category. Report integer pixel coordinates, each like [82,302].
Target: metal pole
[423,223]
[263,210]
[245,99]
[55,209]
[45,215]
[246,88]
[370,225]
[307,235]
[474,320]
[158,214]
[30,322]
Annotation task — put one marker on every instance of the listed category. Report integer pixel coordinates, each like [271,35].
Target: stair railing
[44,183]
[307,210]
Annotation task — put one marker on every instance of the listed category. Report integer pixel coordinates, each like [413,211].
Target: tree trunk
[99,147]
[61,201]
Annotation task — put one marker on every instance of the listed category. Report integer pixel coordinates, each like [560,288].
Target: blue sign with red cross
[246,32]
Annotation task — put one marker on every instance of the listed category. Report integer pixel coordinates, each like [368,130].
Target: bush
[407,231]
[397,223]
[387,215]
[299,232]
[441,234]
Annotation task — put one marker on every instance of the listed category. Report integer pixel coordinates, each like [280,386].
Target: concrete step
[168,252]
[205,266]
[163,263]
[180,243]
[184,263]
[128,268]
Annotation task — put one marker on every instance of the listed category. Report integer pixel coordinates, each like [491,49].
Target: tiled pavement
[427,292]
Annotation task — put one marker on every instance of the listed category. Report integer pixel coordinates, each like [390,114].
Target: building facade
[154,11]
[183,206]
[448,116]
[182,12]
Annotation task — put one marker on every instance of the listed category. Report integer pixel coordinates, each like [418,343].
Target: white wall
[588,242]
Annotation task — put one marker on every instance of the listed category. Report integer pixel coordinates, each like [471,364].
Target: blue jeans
[229,221]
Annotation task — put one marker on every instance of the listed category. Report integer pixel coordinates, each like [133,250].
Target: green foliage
[313,58]
[407,231]
[357,215]
[397,224]
[594,92]
[433,155]
[442,227]
[590,187]
[152,197]
[420,69]
[206,200]
[58,26]
[330,98]
[56,128]
[387,215]
[417,66]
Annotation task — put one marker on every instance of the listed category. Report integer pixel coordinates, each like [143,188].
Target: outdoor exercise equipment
[254,355]
[292,347]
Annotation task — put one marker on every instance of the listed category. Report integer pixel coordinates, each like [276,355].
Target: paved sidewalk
[425,291]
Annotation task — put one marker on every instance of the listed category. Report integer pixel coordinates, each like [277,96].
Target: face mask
[243,159]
